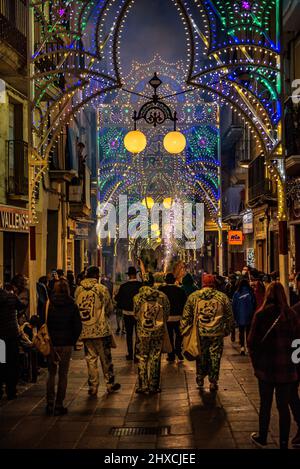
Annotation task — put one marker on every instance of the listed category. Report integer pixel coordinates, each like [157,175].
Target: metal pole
[281,186]
[219,220]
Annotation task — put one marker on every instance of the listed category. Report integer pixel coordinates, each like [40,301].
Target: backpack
[42,341]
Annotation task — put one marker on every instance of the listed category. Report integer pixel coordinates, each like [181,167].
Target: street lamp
[155,112]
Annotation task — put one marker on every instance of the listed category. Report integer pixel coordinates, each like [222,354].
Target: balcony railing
[17,168]
[14,24]
[261,188]
[80,194]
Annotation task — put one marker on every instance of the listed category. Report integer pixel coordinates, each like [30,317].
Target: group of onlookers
[159,316]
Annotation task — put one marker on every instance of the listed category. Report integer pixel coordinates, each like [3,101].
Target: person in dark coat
[71,282]
[295,400]
[188,285]
[274,328]
[177,299]
[124,299]
[64,326]
[243,306]
[10,305]
[42,294]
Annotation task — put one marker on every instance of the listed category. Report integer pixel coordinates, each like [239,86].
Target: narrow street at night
[195,421]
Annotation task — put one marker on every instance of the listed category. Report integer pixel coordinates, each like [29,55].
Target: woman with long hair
[64,326]
[274,327]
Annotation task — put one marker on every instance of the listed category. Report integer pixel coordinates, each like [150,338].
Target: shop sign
[14,219]
[81,231]
[235,238]
[248,222]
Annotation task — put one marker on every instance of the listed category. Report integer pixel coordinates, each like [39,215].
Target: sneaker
[171,358]
[213,387]
[141,391]
[113,387]
[257,441]
[296,440]
[243,353]
[180,357]
[60,411]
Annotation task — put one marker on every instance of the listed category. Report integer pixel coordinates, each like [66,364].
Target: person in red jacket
[274,328]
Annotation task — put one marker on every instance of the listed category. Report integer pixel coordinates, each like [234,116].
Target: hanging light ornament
[174,142]
[135,141]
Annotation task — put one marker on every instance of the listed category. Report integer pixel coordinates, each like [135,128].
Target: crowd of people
[155,319]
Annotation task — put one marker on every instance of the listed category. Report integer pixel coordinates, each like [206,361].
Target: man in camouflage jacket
[214,321]
[151,310]
[95,306]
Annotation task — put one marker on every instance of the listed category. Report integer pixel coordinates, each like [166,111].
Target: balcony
[17,170]
[260,190]
[14,24]
[80,195]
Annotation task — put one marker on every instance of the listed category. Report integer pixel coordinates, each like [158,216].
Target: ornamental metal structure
[234,55]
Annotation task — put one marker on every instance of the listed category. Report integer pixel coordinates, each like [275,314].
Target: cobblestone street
[195,421]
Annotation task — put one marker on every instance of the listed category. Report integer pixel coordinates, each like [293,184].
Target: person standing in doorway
[273,330]
[95,306]
[177,299]
[214,319]
[124,299]
[243,305]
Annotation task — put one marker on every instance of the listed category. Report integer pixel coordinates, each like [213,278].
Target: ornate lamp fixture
[155,112]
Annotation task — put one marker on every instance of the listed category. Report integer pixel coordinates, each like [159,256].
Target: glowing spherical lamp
[135,141]
[148,202]
[167,203]
[174,142]
[154,227]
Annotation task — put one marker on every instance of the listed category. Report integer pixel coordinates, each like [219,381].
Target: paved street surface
[195,421]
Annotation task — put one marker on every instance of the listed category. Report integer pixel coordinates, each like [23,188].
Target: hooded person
[214,321]
[95,306]
[188,284]
[151,310]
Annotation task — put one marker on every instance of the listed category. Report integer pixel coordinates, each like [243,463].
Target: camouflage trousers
[149,356]
[210,360]
[94,350]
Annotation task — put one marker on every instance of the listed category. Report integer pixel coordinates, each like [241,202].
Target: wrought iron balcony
[17,168]
[14,24]
[261,189]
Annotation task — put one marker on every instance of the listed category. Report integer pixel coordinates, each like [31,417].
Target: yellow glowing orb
[174,142]
[167,203]
[154,227]
[148,202]
[135,141]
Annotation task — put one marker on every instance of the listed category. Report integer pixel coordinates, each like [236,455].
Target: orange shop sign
[235,238]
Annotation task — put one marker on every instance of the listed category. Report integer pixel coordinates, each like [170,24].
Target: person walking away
[42,295]
[9,334]
[71,282]
[273,329]
[124,299]
[177,299]
[64,327]
[95,306]
[188,284]
[151,310]
[294,398]
[214,320]
[230,290]
[259,291]
[243,305]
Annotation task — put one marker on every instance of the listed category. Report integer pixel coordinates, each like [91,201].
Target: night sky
[152,26]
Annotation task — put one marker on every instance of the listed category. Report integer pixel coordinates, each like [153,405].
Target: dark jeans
[9,371]
[175,339]
[243,330]
[282,394]
[63,369]
[295,403]
[130,326]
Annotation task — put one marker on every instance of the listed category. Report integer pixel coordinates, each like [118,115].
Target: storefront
[14,230]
